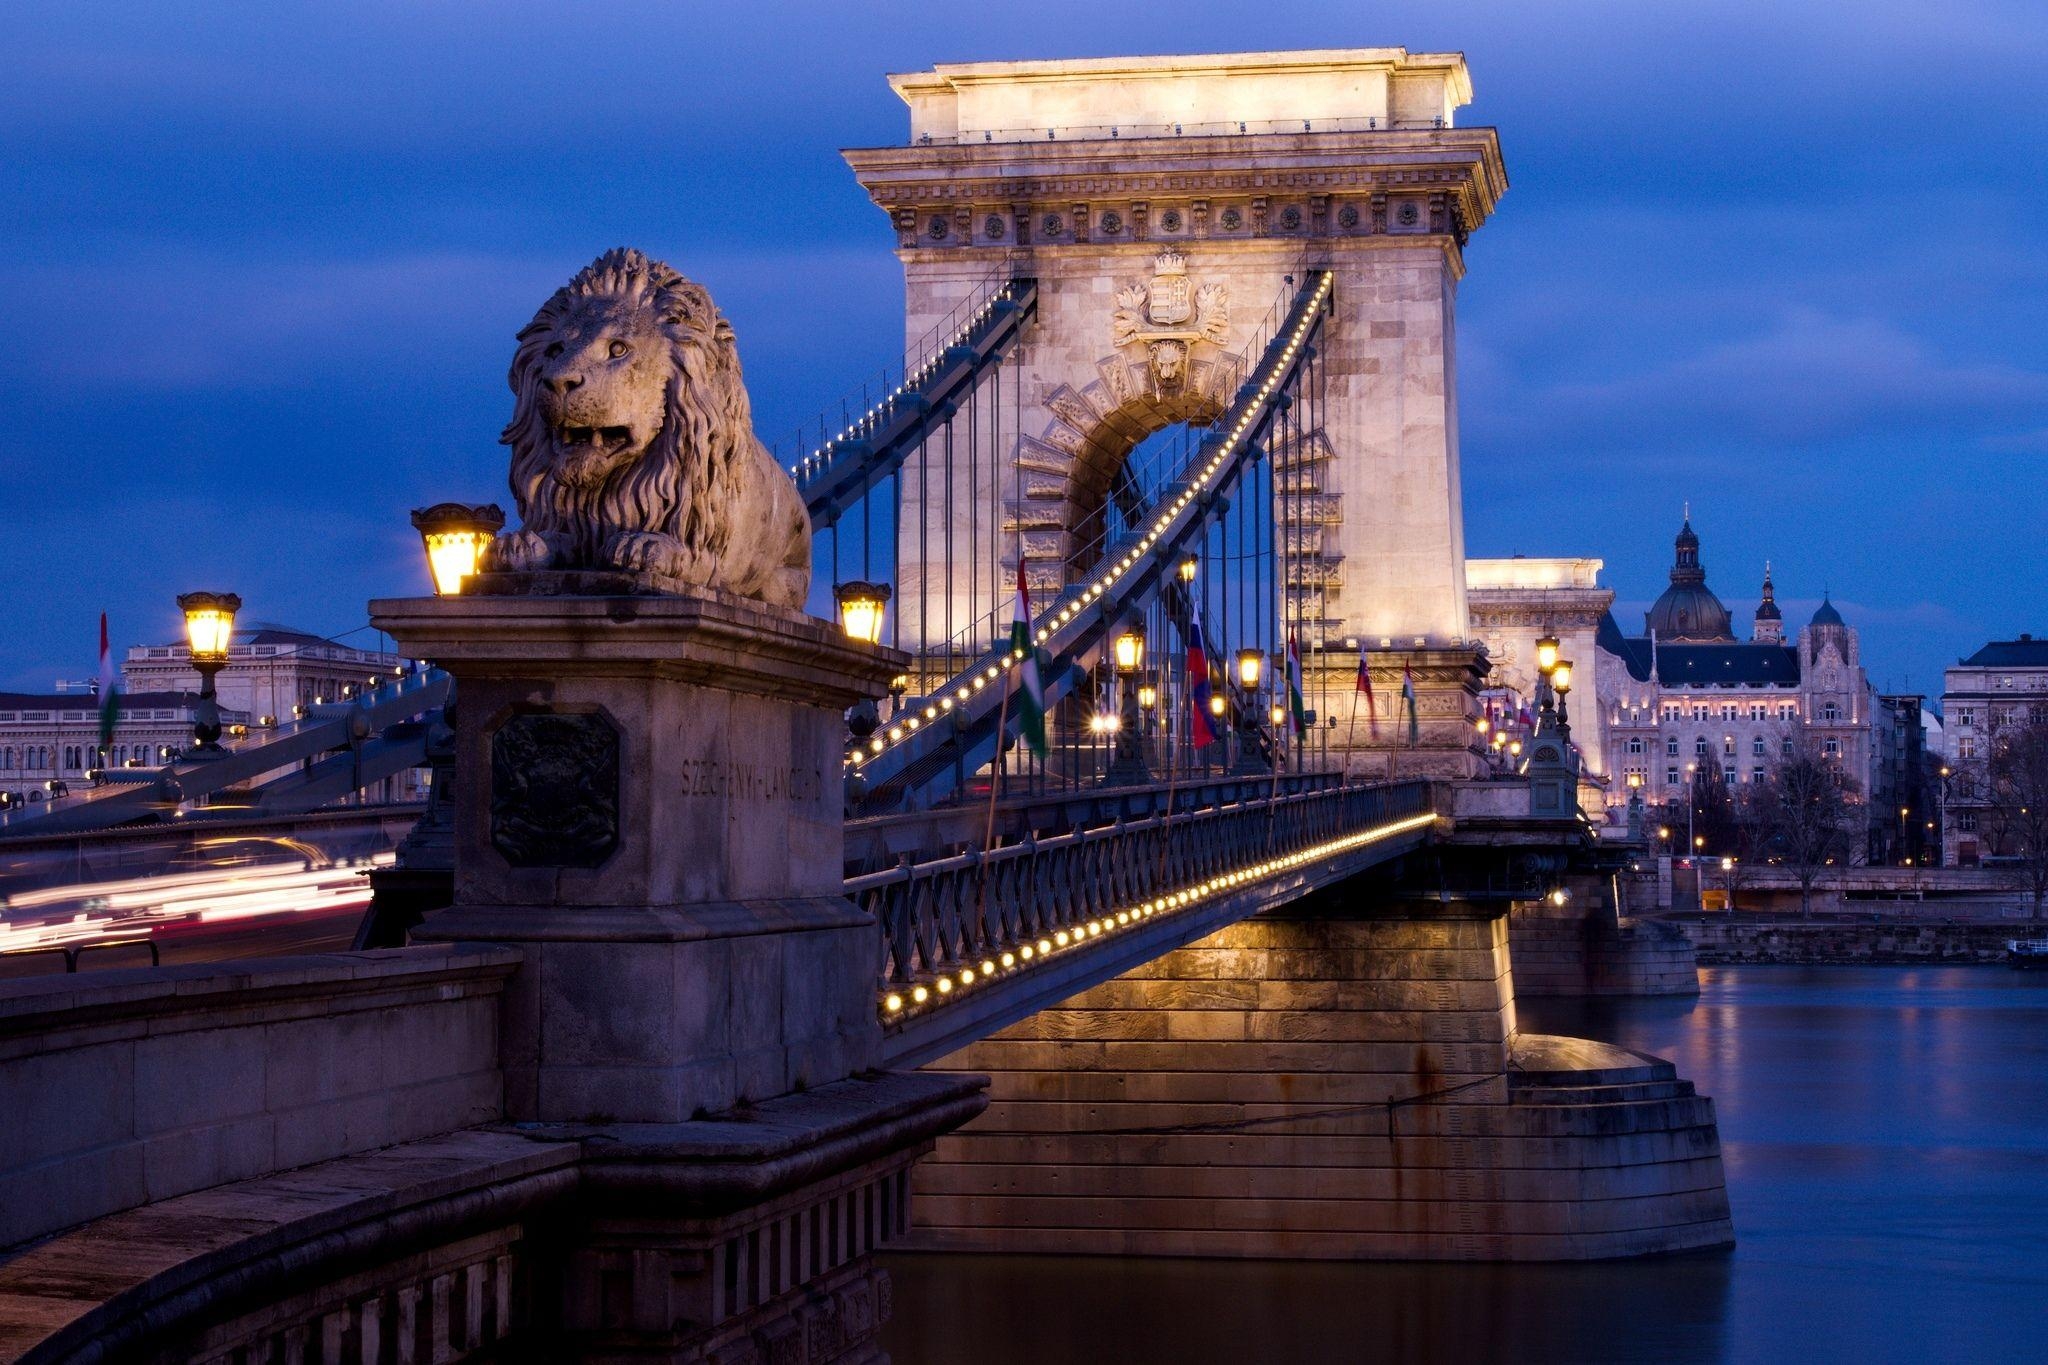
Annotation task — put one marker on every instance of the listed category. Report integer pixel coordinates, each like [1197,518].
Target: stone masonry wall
[1339,1088]
[130,1087]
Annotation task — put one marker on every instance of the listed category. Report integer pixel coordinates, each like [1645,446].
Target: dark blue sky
[263,265]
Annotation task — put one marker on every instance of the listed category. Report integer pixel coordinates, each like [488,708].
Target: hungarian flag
[1408,696]
[109,689]
[1200,733]
[1372,706]
[1031,689]
[1296,703]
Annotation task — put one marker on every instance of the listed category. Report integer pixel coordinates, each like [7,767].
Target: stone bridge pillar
[648,809]
[1163,204]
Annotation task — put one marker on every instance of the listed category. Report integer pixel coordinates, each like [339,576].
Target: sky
[263,265]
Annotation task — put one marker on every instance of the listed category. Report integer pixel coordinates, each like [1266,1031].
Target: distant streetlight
[860,609]
[455,535]
[209,627]
[1250,663]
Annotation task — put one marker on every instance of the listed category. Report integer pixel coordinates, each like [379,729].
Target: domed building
[1688,611]
[1687,702]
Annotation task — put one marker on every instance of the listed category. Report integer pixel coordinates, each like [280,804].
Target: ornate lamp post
[1128,768]
[455,535]
[1251,665]
[209,626]
[1561,679]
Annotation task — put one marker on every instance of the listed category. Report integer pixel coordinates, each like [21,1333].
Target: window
[1756,775]
[1671,747]
[1831,747]
[1966,746]
[1756,747]
[1699,711]
[1699,747]
[1635,744]
[1756,710]
[1728,711]
[1785,746]
[1830,713]
[1966,715]
[1728,776]
[1671,712]
[1728,746]
[1788,711]
[1671,777]
[1966,821]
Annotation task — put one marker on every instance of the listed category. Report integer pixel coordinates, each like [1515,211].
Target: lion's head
[630,414]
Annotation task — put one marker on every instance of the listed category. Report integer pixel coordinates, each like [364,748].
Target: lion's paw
[647,552]
[521,552]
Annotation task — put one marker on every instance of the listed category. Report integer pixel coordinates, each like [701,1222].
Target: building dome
[1826,615]
[1688,610]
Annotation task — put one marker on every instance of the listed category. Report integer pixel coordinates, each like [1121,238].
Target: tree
[1806,810]
[2015,783]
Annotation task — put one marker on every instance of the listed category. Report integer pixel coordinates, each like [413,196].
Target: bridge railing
[950,922]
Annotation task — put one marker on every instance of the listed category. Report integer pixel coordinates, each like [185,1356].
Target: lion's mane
[697,473]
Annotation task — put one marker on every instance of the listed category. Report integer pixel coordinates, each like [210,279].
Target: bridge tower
[1162,204]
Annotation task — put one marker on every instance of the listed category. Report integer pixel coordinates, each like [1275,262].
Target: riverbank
[1721,941]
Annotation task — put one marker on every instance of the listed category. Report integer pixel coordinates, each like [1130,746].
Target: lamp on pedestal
[1251,664]
[1128,767]
[209,627]
[455,535]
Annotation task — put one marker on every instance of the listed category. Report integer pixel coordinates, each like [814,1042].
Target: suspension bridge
[1175,430]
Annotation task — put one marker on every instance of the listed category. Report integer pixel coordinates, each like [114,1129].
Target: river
[1885,1132]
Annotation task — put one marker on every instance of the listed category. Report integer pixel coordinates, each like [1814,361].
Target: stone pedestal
[1444,742]
[649,808]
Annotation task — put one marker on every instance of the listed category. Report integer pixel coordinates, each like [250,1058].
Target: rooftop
[88,701]
[2025,652]
[1383,87]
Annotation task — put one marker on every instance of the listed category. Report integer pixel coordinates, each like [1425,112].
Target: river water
[1885,1132]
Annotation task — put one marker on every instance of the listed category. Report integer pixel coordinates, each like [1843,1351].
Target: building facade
[272,671]
[2005,683]
[1694,713]
[50,741]
[272,674]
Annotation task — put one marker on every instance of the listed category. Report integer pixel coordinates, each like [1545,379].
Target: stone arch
[1065,473]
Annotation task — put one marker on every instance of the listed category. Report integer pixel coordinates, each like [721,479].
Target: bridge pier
[1585,947]
[1341,1080]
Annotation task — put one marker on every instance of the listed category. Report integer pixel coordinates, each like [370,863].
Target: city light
[455,535]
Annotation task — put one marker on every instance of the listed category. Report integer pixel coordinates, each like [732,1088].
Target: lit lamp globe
[1561,677]
[1250,663]
[1129,649]
[1148,696]
[1279,715]
[455,535]
[1217,705]
[861,606]
[209,628]
[1187,570]
[1546,653]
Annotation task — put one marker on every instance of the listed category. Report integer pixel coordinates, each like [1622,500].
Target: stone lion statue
[633,443]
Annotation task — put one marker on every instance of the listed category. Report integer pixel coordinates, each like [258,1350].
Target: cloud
[1808,379]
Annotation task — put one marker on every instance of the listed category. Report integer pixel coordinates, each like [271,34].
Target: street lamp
[455,535]
[1130,651]
[860,609]
[209,626]
[1546,654]
[1187,569]
[1127,767]
[1250,662]
[1561,679]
